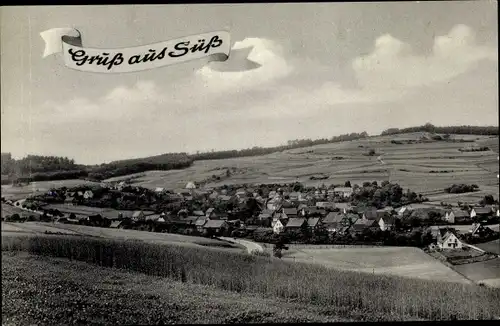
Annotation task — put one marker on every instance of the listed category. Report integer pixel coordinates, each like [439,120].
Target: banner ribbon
[215,46]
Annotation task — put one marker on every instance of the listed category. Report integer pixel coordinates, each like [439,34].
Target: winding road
[250,245]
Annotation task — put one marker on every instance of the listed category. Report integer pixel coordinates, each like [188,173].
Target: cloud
[393,65]
[265,52]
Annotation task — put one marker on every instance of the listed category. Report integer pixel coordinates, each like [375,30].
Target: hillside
[412,160]
[48,168]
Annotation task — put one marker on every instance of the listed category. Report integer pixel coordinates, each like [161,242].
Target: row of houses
[335,222]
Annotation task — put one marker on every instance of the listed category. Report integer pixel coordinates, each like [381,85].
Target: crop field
[422,167]
[31,288]
[343,293]
[34,188]
[399,261]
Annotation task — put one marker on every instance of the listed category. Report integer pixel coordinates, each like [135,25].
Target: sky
[325,69]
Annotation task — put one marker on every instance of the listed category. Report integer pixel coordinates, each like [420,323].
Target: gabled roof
[290,211]
[215,224]
[343,205]
[153,217]
[343,189]
[295,222]
[460,213]
[200,221]
[333,217]
[371,214]
[388,220]
[137,213]
[482,210]
[312,222]
[224,198]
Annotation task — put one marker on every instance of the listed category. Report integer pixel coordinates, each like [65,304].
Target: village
[371,213]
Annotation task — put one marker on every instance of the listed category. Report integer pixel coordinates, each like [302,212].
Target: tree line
[458,130]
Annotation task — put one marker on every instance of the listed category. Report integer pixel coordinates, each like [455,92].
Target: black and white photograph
[242,163]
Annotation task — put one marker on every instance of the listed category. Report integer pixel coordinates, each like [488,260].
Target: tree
[347,183]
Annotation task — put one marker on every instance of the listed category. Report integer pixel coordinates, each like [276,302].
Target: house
[360,225]
[159,190]
[325,205]
[152,217]
[210,213]
[405,209]
[386,222]
[314,223]
[265,214]
[224,198]
[200,222]
[88,194]
[343,191]
[69,200]
[333,217]
[370,214]
[449,241]
[138,215]
[343,207]
[279,226]
[456,216]
[481,212]
[478,230]
[198,213]
[314,211]
[116,224]
[290,212]
[216,227]
[190,185]
[295,223]
[295,195]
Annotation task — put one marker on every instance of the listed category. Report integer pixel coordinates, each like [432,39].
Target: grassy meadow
[377,297]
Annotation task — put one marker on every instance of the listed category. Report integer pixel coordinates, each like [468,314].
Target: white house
[449,241]
[343,191]
[456,216]
[159,189]
[404,209]
[278,227]
[190,185]
[88,194]
[481,211]
[138,215]
[325,204]
[386,222]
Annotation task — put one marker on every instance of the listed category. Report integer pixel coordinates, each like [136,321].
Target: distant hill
[41,168]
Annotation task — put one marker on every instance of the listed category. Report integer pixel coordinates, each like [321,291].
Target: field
[487,272]
[31,294]
[119,234]
[492,246]
[422,167]
[34,188]
[86,210]
[398,261]
[345,294]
